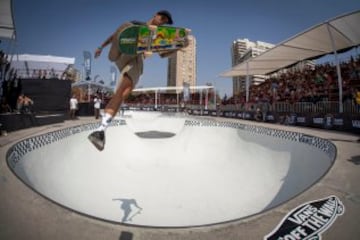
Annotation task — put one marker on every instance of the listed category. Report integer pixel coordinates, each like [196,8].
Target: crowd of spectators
[313,85]
[149,99]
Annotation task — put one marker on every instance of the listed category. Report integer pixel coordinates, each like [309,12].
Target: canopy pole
[215,95]
[156,98]
[338,70]
[206,99]
[247,83]
[177,100]
[88,92]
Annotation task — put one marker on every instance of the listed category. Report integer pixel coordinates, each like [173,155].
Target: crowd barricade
[282,107]
[350,107]
[319,115]
[326,107]
[304,107]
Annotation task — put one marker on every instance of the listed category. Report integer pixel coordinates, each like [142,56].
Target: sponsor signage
[318,120]
[270,117]
[309,220]
[196,112]
[338,121]
[127,40]
[292,119]
[247,115]
[328,121]
[355,123]
[301,119]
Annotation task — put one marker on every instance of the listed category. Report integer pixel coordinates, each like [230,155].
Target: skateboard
[142,38]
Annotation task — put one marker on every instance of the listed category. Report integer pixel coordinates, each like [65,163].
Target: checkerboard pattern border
[18,150]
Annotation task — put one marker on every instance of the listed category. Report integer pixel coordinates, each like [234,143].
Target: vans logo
[309,220]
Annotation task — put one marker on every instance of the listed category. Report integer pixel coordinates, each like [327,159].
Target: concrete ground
[25,214]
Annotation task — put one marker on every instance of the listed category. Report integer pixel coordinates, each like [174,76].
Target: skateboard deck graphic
[140,38]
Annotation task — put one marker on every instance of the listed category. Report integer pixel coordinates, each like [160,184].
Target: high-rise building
[241,50]
[182,66]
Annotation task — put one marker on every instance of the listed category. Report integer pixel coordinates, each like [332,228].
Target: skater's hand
[187,41]
[167,53]
[152,27]
[147,54]
[97,52]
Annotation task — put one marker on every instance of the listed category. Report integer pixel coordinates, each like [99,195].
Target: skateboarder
[131,68]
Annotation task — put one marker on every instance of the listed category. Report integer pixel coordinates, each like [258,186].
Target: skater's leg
[132,70]
[98,136]
[120,95]
[115,102]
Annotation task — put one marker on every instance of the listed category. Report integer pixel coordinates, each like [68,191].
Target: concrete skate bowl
[171,171]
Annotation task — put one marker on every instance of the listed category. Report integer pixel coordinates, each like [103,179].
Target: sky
[68,27]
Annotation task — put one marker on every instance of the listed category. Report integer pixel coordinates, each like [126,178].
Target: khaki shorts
[132,66]
[127,64]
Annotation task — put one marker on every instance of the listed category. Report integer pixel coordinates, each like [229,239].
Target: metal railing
[299,107]
[278,107]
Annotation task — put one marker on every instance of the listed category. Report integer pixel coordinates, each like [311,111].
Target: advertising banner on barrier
[341,122]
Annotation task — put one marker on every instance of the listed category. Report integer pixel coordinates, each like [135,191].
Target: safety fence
[319,115]
[328,107]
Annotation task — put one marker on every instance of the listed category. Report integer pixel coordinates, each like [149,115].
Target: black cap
[166,14]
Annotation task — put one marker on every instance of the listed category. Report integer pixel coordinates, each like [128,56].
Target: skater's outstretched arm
[103,45]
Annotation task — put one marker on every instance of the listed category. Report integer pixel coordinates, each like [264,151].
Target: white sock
[106,120]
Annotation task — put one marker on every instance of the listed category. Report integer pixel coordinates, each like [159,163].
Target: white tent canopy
[44,58]
[25,64]
[7,28]
[334,35]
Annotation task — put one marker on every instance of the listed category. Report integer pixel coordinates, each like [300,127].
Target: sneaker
[98,139]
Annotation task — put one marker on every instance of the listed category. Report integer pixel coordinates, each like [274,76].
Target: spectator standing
[73,107]
[97,104]
[258,115]
[24,104]
[357,99]
[5,107]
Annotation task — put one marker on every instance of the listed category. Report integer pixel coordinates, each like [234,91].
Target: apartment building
[182,66]
[241,50]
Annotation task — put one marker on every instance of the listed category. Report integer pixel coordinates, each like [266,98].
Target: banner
[87,65]
[186,92]
[113,73]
